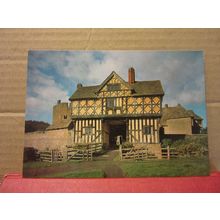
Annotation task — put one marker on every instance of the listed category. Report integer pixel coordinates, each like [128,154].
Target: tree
[204,130]
[31,126]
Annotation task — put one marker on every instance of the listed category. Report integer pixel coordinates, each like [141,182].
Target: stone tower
[61,112]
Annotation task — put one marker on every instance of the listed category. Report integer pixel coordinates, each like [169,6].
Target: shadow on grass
[116,168]
[88,174]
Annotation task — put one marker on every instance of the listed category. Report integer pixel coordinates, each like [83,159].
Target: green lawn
[88,174]
[95,169]
[39,164]
[173,167]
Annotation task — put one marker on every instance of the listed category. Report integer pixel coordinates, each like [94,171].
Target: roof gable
[139,88]
[84,93]
[194,115]
[114,77]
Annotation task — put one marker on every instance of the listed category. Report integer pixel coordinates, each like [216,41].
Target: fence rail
[82,152]
[168,152]
[51,155]
[79,154]
[131,153]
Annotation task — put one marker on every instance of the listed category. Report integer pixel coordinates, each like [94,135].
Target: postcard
[115,114]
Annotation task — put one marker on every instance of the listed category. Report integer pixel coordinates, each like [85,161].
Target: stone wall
[52,139]
[152,148]
[178,126]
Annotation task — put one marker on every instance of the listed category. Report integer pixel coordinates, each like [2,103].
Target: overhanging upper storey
[116,97]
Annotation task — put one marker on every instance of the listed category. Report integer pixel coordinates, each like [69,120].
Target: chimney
[131,75]
[79,85]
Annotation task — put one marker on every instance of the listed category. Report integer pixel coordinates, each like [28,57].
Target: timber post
[120,151]
[168,152]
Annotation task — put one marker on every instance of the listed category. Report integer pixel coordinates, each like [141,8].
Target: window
[147,130]
[65,116]
[111,103]
[113,87]
[88,130]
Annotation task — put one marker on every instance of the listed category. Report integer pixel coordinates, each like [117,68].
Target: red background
[15,183]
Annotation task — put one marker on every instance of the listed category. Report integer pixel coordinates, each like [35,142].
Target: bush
[166,142]
[196,146]
[191,146]
[30,154]
[127,145]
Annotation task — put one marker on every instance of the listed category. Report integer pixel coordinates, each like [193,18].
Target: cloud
[43,92]
[54,74]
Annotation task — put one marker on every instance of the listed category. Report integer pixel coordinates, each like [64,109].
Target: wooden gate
[168,152]
[82,152]
[51,155]
[132,153]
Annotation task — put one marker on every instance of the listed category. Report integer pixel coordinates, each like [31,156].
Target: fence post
[168,152]
[120,151]
[51,155]
[67,153]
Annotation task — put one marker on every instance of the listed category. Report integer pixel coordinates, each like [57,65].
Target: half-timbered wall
[88,131]
[124,102]
[143,105]
[87,107]
[122,105]
[137,128]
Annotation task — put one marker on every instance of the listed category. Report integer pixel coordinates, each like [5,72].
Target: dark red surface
[15,183]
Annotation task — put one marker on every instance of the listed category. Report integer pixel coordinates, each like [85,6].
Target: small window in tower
[65,116]
[147,130]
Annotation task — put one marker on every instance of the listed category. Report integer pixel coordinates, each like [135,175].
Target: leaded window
[111,103]
[147,129]
[114,87]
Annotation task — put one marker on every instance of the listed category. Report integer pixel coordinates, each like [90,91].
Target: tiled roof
[139,88]
[177,112]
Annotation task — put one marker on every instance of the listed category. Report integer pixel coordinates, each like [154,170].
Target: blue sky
[53,75]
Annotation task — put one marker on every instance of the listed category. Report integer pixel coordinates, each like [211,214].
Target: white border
[113,13]
[117,14]
[109,206]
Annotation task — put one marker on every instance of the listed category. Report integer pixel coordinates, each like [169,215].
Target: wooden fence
[168,152]
[51,155]
[82,152]
[131,153]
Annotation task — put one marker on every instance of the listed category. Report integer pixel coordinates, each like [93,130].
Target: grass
[88,174]
[173,167]
[40,164]
[96,169]
[37,164]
